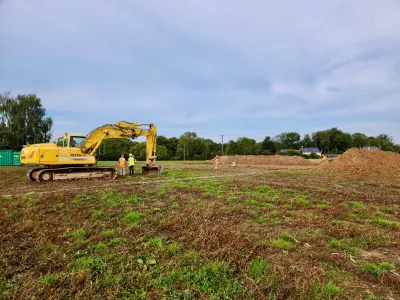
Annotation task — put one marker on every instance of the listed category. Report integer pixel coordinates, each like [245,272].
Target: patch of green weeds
[116,242]
[343,245]
[98,213]
[100,246]
[215,278]
[79,198]
[200,203]
[274,215]
[283,241]
[50,280]
[287,206]
[289,191]
[385,223]
[356,205]
[252,202]
[258,268]
[156,242]
[301,200]
[107,233]
[133,217]
[173,248]
[133,199]
[232,200]
[287,236]
[175,206]
[338,186]
[281,244]
[323,203]
[89,263]
[109,279]
[377,269]
[325,292]
[391,210]
[373,297]
[78,234]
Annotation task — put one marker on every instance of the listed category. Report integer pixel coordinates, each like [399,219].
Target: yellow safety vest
[131,161]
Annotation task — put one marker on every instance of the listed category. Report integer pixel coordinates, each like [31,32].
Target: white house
[308,151]
[371,148]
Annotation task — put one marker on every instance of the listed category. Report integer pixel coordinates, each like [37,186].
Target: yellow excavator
[73,156]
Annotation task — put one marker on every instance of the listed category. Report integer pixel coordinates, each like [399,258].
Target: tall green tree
[359,140]
[23,120]
[268,146]
[307,141]
[288,140]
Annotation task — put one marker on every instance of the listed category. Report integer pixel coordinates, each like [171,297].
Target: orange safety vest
[122,162]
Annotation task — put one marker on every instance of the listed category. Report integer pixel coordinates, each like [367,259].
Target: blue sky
[238,68]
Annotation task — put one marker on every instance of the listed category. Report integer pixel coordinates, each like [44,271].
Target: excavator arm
[121,130]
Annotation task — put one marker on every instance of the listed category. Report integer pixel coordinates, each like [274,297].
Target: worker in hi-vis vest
[131,164]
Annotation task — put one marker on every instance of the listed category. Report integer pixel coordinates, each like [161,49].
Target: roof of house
[310,150]
[369,148]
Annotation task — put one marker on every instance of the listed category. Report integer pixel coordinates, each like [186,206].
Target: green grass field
[196,233]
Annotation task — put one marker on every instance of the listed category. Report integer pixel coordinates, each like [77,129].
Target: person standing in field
[131,164]
[122,165]
[216,162]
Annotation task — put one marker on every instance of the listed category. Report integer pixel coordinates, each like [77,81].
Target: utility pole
[222,143]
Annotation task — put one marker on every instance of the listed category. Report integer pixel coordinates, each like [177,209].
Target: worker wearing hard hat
[131,164]
[122,164]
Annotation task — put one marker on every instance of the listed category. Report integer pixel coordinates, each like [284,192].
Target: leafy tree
[23,120]
[231,148]
[246,146]
[269,146]
[288,139]
[307,141]
[359,140]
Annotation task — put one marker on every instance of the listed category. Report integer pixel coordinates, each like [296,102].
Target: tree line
[23,120]
[191,147]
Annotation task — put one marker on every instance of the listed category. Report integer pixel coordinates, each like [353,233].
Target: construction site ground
[283,231]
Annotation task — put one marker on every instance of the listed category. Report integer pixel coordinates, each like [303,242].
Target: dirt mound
[265,160]
[363,161]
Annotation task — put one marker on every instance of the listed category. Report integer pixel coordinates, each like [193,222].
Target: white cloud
[207,64]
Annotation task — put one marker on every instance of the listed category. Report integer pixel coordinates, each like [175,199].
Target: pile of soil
[363,161]
[252,160]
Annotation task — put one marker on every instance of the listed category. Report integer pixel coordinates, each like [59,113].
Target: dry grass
[198,233]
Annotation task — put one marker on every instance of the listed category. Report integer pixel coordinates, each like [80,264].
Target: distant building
[308,151]
[370,148]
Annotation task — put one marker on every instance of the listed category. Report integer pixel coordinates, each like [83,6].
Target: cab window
[77,141]
[60,142]
[66,142]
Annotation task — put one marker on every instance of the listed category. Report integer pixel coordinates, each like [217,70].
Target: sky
[235,68]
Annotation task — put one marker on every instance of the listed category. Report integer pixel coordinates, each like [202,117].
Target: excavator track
[44,175]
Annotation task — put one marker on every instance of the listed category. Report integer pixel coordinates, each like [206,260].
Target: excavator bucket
[152,170]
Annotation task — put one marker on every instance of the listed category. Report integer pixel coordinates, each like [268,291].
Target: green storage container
[16,158]
[6,157]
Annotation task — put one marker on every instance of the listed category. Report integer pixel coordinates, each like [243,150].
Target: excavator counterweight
[72,156]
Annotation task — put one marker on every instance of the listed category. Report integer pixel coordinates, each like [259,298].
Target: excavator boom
[73,156]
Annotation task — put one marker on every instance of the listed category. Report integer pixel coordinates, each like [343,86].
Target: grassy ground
[194,232]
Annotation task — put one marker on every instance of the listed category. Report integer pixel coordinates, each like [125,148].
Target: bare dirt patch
[277,160]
